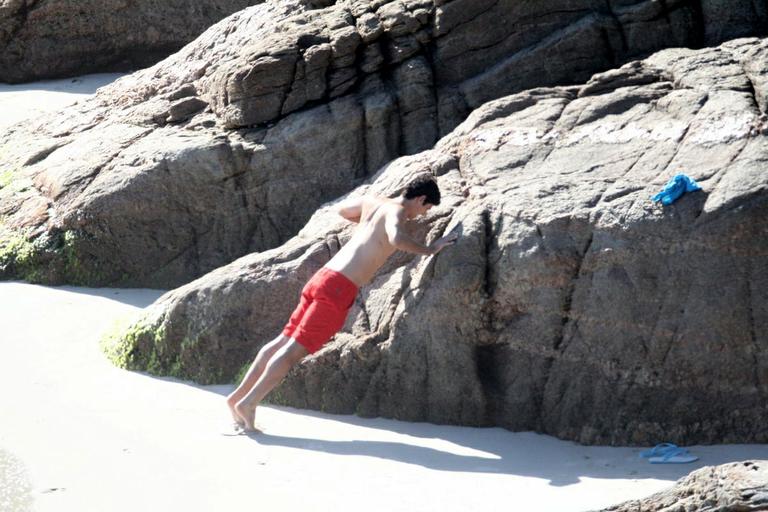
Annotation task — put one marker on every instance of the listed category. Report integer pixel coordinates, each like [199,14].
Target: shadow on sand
[137,297]
[452,448]
[494,450]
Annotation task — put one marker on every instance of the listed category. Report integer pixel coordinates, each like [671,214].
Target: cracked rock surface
[571,304]
[736,487]
[59,38]
[228,146]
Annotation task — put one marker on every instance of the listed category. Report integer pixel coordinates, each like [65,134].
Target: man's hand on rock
[438,244]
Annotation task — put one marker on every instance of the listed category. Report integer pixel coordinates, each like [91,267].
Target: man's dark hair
[424,185]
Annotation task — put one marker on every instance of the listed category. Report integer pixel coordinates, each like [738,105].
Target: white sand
[24,101]
[78,434]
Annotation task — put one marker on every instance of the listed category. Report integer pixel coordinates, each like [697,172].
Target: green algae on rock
[52,258]
[143,344]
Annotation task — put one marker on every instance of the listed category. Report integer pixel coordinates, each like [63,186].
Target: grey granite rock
[735,487]
[59,38]
[571,304]
[145,185]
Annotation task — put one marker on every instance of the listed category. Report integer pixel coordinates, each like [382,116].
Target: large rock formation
[571,304]
[59,38]
[228,146]
[735,487]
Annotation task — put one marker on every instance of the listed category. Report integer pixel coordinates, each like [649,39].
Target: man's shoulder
[390,207]
[375,198]
[381,202]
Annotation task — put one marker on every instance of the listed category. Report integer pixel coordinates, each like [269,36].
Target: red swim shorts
[322,310]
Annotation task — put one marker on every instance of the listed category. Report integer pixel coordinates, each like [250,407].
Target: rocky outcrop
[571,304]
[59,38]
[228,146]
[736,487]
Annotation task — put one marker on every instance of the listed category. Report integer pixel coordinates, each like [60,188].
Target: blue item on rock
[676,187]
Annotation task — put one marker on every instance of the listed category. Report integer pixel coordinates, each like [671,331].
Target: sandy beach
[23,101]
[80,434]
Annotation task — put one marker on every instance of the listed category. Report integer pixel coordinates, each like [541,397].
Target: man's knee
[295,351]
[273,346]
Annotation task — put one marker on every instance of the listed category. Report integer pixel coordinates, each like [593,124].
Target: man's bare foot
[248,414]
[239,420]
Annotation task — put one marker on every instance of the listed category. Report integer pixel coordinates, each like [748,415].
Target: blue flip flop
[676,187]
[658,450]
[673,456]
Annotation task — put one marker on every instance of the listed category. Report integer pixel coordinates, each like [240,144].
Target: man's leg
[278,367]
[253,374]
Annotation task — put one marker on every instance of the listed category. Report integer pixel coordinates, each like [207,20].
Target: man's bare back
[380,233]
[369,247]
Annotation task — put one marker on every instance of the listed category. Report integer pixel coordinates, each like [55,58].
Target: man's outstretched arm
[351,209]
[401,240]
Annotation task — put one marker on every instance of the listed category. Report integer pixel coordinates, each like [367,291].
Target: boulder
[572,304]
[228,146]
[59,38]
[735,487]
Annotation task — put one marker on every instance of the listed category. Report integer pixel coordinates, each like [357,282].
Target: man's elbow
[346,214]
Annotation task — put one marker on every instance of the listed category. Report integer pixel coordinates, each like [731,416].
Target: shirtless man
[328,296]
